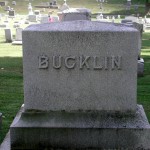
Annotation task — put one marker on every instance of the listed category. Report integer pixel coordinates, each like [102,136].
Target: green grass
[143,90]
[113,6]
[11,82]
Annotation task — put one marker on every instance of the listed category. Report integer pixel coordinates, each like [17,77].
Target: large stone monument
[80,82]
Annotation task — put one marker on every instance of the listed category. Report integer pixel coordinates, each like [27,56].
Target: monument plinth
[80,88]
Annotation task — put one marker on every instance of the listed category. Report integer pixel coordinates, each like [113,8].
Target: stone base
[17,43]
[0,120]
[40,130]
[141,67]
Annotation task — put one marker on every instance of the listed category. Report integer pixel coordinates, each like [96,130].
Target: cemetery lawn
[11,81]
[143,88]
[112,7]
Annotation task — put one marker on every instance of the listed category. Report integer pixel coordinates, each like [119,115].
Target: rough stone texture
[80,130]
[75,14]
[80,89]
[0,120]
[141,67]
[8,35]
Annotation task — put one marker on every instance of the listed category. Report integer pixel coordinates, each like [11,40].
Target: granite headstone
[80,88]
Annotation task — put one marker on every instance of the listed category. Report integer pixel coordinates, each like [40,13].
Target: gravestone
[126,21]
[100,17]
[32,18]
[3,25]
[141,67]
[44,19]
[37,12]
[18,39]
[8,35]
[64,6]
[3,3]
[80,88]
[53,4]
[7,8]
[0,120]
[19,34]
[75,14]
[55,18]
[14,3]
[11,13]
[132,18]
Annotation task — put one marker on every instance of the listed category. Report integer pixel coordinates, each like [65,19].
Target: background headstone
[44,19]
[12,13]
[64,6]
[3,3]
[32,18]
[7,8]
[140,67]
[75,14]
[8,35]
[18,39]
[19,34]
[14,3]
[37,12]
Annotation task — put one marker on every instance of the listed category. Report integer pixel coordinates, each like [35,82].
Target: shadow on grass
[140,11]
[11,90]
[143,88]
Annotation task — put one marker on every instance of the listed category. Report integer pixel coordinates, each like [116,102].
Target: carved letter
[55,64]
[43,62]
[106,63]
[116,61]
[95,64]
[67,60]
[84,62]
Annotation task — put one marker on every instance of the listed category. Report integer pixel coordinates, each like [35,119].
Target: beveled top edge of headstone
[81,25]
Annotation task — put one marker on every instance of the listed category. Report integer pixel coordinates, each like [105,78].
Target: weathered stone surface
[80,130]
[93,75]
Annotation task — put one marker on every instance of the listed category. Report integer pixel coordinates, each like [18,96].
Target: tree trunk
[147,6]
